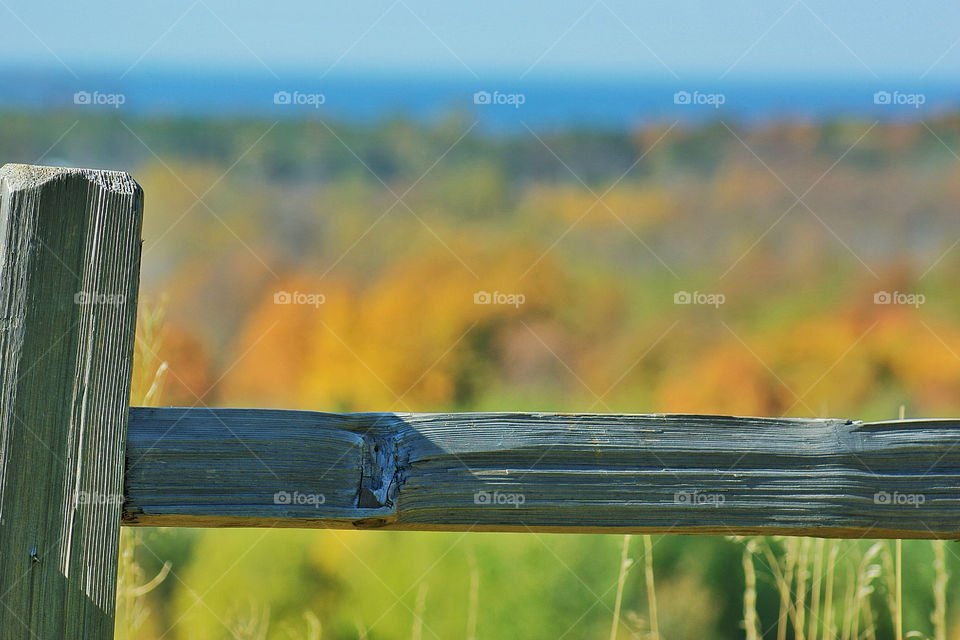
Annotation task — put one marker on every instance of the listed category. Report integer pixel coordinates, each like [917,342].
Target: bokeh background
[744,208]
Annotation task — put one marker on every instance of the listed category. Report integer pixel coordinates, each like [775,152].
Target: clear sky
[879,39]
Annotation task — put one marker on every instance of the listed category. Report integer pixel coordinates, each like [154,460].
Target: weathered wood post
[69,272]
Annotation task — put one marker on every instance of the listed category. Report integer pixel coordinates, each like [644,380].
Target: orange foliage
[188,377]
[822,361]
[409,341]
[830,364]
[921,357]
[726,380]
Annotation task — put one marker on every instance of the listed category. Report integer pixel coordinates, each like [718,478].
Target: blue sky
[668,39]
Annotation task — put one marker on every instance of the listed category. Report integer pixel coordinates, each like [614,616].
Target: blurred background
[746,208]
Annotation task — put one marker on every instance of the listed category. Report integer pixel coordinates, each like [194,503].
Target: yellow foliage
[637,206]
[930,367]
[403,343]
[726,380]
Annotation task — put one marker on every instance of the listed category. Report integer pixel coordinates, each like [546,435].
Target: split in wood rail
[72,468]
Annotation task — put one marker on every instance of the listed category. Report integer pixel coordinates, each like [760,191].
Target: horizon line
[579,75]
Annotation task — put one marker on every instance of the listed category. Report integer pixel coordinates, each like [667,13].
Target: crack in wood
[380,476]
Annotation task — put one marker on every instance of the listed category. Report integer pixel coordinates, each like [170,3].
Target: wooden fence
[76,462]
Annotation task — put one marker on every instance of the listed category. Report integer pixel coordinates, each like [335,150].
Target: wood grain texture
[69,270]
[543,472]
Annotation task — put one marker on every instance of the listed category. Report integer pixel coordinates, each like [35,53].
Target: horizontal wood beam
[545,472]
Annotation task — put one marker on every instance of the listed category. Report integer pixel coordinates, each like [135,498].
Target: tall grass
[651,588]
[149,369]
[419,608]
[473,598]
[751,622]
[149,373]
[133,587]
[866,577]
[814,628]
[939,615]
[625,563]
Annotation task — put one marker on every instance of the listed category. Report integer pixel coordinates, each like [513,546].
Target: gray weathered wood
[543,472]
[69,268]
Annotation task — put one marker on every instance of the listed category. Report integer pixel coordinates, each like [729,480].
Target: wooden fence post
[69,273]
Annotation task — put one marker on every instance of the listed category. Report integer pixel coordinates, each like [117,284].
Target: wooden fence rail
[71,470]
[543,472]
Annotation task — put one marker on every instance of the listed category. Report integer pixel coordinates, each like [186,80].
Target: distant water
[496,104]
